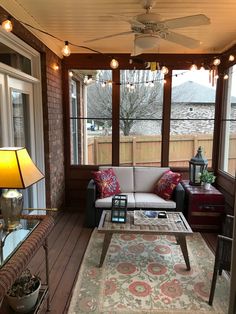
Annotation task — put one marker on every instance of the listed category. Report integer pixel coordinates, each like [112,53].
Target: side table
[22,253]
[204,208]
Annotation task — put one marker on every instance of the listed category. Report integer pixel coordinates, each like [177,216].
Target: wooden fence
[146,150]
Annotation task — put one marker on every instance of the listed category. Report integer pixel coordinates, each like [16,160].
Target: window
[141,106]
[192,116]
[228,155]
[14,59]
[91,117]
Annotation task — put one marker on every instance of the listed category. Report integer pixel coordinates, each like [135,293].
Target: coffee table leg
[181,240]
[106,243]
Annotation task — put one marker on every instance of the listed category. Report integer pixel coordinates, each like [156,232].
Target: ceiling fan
[149,28]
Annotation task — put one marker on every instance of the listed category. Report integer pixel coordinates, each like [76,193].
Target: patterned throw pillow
[165,186]
[106,182]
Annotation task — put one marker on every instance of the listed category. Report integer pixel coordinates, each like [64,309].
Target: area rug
[147,274]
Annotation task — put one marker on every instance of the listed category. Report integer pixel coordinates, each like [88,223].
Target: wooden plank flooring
[67,244]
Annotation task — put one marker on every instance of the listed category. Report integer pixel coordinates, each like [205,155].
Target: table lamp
[17,171]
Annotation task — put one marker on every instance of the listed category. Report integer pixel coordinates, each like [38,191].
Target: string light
[7,24]
[164,70]
[103,84]
[114,64]
[55,67]
[66,50]
[226,77]
[216,61]
[70,74]
[193,67]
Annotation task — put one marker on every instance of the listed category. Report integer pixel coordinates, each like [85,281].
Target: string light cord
[61,40]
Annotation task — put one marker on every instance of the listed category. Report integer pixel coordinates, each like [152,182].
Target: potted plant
[23,294]
[207,178]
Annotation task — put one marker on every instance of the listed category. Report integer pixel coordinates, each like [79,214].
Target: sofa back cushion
[146,177]
[125,177]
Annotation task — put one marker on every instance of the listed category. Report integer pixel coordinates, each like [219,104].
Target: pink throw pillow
[106,182]
[165,186]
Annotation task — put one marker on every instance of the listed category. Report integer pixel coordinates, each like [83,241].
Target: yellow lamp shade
[17,170]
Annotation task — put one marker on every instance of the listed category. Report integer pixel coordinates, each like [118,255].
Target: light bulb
[55,67]
[193,67]
[164,70]
[231,58]
[66,50]
[114,64]
[216,61]
[70,74]
[103,84]
[128,85]
[226,77]
[7,25]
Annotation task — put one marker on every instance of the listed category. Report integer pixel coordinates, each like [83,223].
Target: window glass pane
[228,156]
[192,116]
[90,117]
[141,106]
[14,59]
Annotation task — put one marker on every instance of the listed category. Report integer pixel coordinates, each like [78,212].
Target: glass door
[22,130]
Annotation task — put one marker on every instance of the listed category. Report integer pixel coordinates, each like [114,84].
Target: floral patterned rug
[147,274]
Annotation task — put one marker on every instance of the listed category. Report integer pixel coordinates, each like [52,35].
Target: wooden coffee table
[175,225]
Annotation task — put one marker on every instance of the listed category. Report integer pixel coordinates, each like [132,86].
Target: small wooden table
[175,224]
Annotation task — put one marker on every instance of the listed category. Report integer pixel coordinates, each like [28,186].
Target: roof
[192,92]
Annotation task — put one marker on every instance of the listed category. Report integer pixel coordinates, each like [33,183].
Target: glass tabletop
[11,240]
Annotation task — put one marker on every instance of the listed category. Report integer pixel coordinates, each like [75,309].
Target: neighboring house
[192,101]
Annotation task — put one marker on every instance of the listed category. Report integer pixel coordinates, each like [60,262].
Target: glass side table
[17,249]
[11,240]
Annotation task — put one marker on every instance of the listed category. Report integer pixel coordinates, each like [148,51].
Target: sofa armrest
[90,216]
[178,197]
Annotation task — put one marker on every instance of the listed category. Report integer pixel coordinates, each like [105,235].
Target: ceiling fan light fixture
[146,41]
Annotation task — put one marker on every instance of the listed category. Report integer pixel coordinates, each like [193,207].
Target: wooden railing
[146,150]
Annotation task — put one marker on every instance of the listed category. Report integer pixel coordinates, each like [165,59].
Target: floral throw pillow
[165,186]
[106,182]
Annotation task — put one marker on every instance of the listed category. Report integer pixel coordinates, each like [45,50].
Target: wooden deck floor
[67,244]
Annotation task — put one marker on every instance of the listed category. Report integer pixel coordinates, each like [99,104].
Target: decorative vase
[207,186]
[25,303]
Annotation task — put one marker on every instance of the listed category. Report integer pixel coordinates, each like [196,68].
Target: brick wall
[52,116]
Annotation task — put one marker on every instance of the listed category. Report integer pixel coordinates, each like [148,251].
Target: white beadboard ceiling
[81,20]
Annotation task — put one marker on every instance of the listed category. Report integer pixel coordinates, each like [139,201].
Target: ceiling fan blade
[181,40]
[108,36]
[187,21]
[130,20]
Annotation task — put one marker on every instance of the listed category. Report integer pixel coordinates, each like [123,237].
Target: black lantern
[119,208]
[196,166]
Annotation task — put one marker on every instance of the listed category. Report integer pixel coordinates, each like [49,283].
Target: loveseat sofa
[138,184]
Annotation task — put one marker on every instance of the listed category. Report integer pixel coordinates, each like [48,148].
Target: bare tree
[141,93]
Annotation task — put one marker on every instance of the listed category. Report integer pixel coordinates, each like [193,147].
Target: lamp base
[11,205]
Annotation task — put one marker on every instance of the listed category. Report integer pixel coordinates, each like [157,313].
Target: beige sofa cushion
[151,200]
[146,177]
[107,201]
[125,177]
